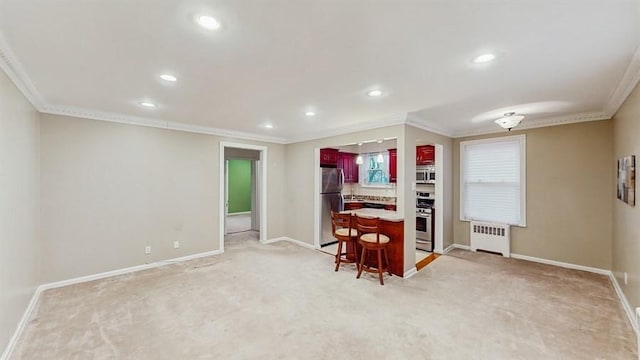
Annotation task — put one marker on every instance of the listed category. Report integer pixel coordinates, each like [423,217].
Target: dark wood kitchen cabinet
[353,205]
[329,157]
[425,155]
[393,165]
[347,162]
[395,231]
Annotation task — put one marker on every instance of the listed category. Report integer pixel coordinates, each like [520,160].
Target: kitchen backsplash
[369,193]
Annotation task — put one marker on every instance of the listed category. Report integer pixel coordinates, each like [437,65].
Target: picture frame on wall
[627,179]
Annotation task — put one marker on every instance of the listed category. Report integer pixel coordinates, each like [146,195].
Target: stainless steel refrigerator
[331,181]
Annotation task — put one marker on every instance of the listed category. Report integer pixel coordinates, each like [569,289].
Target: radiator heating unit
[490,237]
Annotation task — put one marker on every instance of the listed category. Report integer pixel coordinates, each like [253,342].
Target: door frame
[438,231]
[262,185]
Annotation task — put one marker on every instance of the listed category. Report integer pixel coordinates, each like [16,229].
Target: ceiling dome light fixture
[484,58]
[169,78]
[374,93]
[510,120]
[208,22]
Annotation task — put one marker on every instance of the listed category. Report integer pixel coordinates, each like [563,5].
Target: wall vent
[490,237]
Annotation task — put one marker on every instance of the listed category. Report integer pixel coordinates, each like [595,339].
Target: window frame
[522,140]
[363,171]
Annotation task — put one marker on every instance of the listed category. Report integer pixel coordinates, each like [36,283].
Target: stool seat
[373,238]
[345,232]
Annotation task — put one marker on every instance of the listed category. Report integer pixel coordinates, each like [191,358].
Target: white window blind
[492,184]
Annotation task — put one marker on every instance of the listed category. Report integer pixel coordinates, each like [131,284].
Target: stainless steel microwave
[426,175]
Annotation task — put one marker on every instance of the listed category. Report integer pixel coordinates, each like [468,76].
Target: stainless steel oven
[424,200]
[424,233]
[424,239]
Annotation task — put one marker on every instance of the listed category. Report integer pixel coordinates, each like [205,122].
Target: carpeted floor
[282,301]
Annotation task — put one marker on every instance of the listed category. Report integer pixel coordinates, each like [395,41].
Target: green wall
[239,186]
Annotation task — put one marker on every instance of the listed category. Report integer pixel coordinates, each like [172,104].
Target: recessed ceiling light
[268,126]
[167,77]
[148,104]
[375,93]
[309,113]
[208,22]
[483,58]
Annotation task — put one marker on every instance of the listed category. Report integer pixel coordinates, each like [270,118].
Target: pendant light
[380,158]
[359,158]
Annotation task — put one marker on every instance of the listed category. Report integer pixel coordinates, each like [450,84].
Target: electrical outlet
[176,244]
[626,278]
[147,250]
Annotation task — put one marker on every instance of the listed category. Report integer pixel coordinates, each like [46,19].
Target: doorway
[242,192]
[429,188]
[240,187]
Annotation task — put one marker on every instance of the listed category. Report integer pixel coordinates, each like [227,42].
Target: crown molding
[14,70]
[625,87]
[16,73]
[418,122]
[538,123]
[156,123]
[172,125]
[396,119]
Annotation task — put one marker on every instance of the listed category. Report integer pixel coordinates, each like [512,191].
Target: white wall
[19,206]
[109,190]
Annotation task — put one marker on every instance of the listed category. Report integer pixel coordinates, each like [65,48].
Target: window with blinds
[493,180]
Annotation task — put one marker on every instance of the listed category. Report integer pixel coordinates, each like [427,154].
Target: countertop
[370,201]
[382,214]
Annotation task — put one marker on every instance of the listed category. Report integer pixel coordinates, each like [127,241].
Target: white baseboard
[21,325]
[562,264]
[40,289]
[284,238]
[460,246]
[633,318]
[409,273]
[449,248]
[127,270]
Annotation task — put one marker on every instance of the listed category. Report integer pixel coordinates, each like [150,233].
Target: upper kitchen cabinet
[329,157]
[393,165]
[425,155]
[347,162]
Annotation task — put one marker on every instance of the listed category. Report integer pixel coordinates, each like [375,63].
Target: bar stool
[371,240]
[343,231]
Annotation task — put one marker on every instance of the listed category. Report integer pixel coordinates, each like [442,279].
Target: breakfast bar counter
[392,225]
[382,214]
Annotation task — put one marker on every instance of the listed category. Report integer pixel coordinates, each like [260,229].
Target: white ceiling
[557,61]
